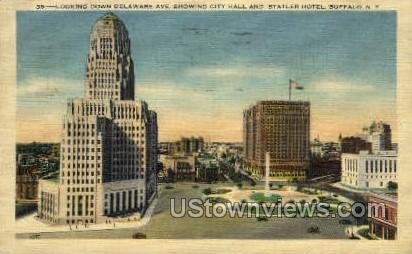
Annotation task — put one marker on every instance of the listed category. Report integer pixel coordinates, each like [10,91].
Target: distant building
[281,128]
[316,148]
[179,167]
[331,151]
[208,170]
[354,145]
[379,134]
[325,159]
[383,222]
[186,146]
[369,161]
[109,141]
[365,170]
[26,182]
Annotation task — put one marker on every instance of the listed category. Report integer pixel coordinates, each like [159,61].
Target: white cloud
[236,71]
[44,87]
[342,87]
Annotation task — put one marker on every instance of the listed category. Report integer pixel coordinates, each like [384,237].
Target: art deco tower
[109,72]
[108,147]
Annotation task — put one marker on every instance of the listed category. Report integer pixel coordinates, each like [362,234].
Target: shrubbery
[139,236]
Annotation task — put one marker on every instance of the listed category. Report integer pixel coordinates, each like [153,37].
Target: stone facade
[109,71]
[365,170]
[108,146]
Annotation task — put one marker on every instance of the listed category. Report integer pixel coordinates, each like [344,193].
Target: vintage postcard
[180,126]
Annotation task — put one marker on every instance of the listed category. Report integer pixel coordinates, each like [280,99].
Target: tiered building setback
[109,141]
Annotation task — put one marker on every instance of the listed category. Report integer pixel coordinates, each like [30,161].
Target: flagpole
[290,89]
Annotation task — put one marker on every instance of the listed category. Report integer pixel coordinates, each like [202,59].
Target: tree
[207,191]
[392,185]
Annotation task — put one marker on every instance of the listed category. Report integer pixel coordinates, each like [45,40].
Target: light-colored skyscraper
[281,128]
[379,134]
[109,140]
[370,163]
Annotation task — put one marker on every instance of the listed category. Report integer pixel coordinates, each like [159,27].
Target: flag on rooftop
[295,85]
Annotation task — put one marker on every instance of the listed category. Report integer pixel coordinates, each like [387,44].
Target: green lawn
[364,232]
[261,197]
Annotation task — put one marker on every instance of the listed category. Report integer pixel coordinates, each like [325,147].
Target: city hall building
[281,128]
[108,146]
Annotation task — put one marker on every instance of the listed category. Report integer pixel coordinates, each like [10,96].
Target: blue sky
[199,70]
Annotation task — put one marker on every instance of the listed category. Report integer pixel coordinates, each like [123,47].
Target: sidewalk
[29,224]
[346,188]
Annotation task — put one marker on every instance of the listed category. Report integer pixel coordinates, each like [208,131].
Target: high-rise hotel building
[281,128]
[108,145]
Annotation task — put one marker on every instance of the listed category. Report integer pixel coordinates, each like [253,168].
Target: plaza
[159,224]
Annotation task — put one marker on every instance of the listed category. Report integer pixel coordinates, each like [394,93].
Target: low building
[208,170]
[383,222]
[354,145]
[366,170]
[26,186]
[49,193]
[185,146]
[179,167]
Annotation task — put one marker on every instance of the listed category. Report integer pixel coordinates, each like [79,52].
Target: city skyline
[199,71]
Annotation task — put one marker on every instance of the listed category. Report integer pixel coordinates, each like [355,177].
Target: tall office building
[281,128]
[379,134]
[373,165]
[109,141]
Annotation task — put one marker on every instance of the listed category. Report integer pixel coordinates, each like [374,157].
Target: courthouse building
[108,146]
[281,128]
[370,162]
[369,170]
